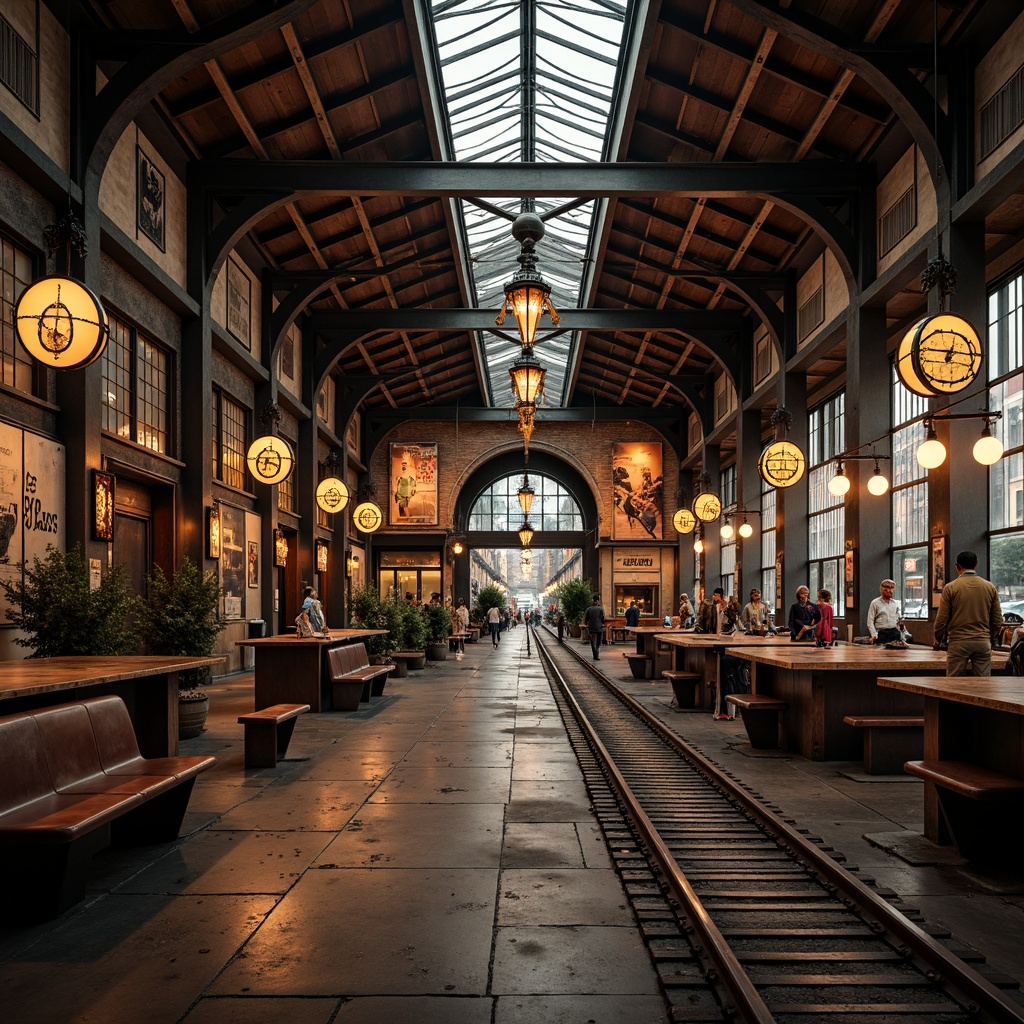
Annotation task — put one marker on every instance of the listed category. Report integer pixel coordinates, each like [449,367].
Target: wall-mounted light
[321,556]
[458,547]
[877,483]
[840,483]
[367,517]
[726,530]
[684,521]
[698,546]
[102,505]
[746,530]
[988,449]
[280,548]
[332,494]
[351,565]
[932,452]
[782,463]
[213,532]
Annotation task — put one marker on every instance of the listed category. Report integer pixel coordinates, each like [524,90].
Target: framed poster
[637,490]
[103,506]
[150,197]
[413,484]
[239,299]
[848,574]
[252,577]
[938,573]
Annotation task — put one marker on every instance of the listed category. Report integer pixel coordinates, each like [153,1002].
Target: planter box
[437,652]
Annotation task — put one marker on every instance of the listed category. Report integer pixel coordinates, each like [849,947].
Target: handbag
[302,626]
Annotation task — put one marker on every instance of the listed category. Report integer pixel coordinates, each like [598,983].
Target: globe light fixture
[726,530]
[840,483]
[332,494]
[698,546]
[988,450]
[878,484]
[746,530]
[458,547]
[270,459]
[61,323]
[932,452]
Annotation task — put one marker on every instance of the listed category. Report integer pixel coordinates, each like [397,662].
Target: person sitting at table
[314,611]
[969,619]
[884,615]
[632,615]
[687,616]
[824,631]
[803,616]
[754,617]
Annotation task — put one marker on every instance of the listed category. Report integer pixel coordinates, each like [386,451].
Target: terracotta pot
[437,652]
[192,712]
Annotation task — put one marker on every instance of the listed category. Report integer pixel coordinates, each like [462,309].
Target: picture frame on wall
[638,490]
[239,297]
[103,506]
[150,200]
[938,573]
[413,484]
[252,573]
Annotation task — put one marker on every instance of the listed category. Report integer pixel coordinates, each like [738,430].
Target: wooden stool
[639,665]
[889,741]
[684,686]
[762,718]
[268,733]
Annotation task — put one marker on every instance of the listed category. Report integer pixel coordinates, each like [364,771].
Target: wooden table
[295,670]
[148,684]
[647,645]
[702,653]
[966,718]
[823,684]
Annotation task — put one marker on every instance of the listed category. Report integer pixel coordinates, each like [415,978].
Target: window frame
[220,399]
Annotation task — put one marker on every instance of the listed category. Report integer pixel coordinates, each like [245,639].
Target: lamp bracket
[68,234]
[271,414]
[781,418]
[984,415]
[942,273]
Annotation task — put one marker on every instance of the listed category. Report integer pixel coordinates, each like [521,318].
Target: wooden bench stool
[762,717]
[639,664]
[268,733]
[684,686]
[889,741]
[983,809]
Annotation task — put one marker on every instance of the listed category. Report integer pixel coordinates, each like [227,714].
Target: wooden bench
[72,781]
[762,717]
[408,661]
[353,678]
[639,664]
[684,686]
[983,809]
[889,741]
[268,733]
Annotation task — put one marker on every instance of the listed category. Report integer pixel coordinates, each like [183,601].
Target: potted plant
[179,617]
[439,628]
[412,636]
[489,597]
[574,597]
[55,608]
[367,612]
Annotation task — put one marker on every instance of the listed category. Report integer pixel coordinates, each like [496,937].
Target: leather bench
[72,781]
[268,733]
[353,678]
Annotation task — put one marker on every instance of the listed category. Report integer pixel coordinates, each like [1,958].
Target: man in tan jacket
[968,620]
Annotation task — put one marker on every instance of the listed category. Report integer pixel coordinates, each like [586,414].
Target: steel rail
[731,975]
[963,983]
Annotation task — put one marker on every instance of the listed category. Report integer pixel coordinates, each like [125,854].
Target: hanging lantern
[707,507]
[781,464]
[525,534]
[525,494]
[527,412]
[684,521]
[270,459]
[332,494]
[61,323]
[939,355]
[527,292]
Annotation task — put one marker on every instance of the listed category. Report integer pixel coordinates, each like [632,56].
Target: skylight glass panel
[480,51]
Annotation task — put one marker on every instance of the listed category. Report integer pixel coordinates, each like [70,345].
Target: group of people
[812,620]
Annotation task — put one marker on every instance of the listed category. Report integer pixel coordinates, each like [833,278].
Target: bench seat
[639,664]
[268,733]
[684,686]
[353,678]
[889,741]
[72,781]
[983,809]
[762,717]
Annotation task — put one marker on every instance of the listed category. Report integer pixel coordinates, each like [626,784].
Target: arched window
[554,508]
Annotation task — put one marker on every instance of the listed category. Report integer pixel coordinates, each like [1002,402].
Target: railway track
[746,918]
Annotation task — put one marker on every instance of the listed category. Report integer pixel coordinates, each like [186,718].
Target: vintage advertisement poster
[638,490]
[414,484]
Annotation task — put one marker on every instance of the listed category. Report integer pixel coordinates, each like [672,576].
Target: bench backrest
[347,658]
[44,751]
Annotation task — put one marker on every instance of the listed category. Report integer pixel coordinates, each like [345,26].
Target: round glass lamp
[988,450]
[367,517]
[270,459]
[878,484]
[60,323]
[840,483]
[726,530]
[746,530]
[331,494]
[932,452]
[781,464]
[698,546]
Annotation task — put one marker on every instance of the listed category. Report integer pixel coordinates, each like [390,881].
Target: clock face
[270,459]
[684,521]
[946,353]
[707,507]
[781,464]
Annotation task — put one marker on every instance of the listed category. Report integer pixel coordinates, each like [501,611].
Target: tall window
[826,520]
[136,388]
[229,441]
[1006,477]
[727,490]
[727,486]
[16,367]
[768,529]
[909,503]
[554,508]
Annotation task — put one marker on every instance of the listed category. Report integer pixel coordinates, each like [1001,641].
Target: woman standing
[803,616]
[754,617]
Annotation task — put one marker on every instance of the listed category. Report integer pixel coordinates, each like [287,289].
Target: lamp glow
[932,453]
[332,494]
[878,484]
[840,483]
[988,450]
[527,292]
[525,493]
[61,323]
[746,530]
[698,546]
[525,534]
[726,530]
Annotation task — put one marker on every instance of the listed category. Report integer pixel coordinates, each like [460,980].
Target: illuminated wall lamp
[878,484]
[726,529]
[746,530]
[988,449]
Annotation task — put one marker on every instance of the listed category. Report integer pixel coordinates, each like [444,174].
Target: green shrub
[413,631]
[179,616]
[439,623]
[52,603]
[574,597]
[368,612]
[489,597]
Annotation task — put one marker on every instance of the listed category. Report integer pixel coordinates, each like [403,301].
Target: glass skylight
[487,68]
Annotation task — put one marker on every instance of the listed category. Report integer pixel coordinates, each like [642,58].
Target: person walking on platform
[494,622]
[595,624]
[884,615]
[969,619]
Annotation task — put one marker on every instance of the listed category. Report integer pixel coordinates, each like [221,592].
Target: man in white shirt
[884,615]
